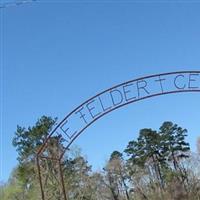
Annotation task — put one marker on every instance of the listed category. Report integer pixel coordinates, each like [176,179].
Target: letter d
[116,96]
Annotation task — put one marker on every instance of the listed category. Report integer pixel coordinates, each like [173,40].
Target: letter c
[176,84]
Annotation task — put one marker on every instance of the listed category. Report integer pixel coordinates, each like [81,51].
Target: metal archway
[109,100]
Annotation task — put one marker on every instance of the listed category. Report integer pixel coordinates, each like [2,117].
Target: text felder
[129,92]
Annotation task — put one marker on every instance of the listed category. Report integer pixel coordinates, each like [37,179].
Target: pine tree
[175,146]
[147,149]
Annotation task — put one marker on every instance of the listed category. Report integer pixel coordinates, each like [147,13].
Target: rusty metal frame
[72,139]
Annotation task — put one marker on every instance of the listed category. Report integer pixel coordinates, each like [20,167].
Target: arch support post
[62,180]
[40,177]
[51,178]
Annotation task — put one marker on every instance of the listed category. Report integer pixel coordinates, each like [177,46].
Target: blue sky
[57,54]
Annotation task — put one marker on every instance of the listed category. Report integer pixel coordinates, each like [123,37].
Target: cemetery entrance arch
[105,102]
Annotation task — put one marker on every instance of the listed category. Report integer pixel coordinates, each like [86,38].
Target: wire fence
[6,4]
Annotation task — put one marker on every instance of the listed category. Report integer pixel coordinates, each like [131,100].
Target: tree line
[157,165]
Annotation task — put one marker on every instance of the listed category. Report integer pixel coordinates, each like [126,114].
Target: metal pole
[40,177]
[62,180]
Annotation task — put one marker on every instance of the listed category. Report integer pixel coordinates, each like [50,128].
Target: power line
[15,3]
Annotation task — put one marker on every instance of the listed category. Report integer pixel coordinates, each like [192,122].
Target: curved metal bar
[79,133]
[73,137]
